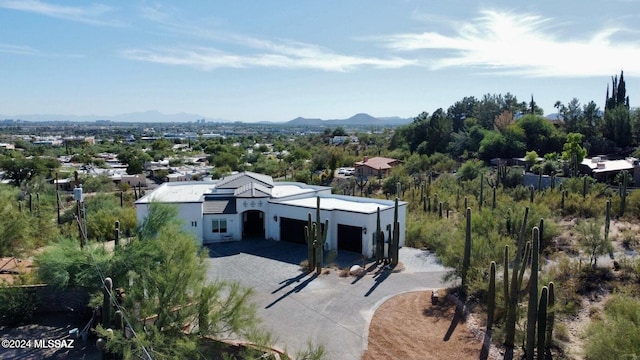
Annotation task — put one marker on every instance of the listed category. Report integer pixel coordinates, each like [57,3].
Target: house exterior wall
[234,228]
[336,217]
[189,213]
[272,231]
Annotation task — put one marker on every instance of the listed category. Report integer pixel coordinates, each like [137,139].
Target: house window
[219,225]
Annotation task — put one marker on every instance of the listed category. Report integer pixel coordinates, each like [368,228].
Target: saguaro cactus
[466,259]
[491,296]
[542,322]
[394,241]
[622,189]
[510,325]
[607,225]
[541,229]
[533,296]
[505,275]
[107,290]
[379,240]
[116,235]
[481,199]
[584,186]
[493,203]
[315,236]
[551,316]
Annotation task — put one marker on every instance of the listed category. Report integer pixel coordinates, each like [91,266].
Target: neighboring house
[249,205]
[341,139]
[605,170]
[375,166]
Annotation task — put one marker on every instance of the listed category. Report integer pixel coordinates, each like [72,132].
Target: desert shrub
[65,264]
[561,332]
[432,233]
[616,335]
[101,183]
[591,206]
[17,305]
[565,272]
[470,169]
[515,176]
[632,209]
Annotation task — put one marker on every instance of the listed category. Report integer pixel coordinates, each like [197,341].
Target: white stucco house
[249,205]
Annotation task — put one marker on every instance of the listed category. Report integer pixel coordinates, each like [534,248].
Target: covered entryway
[292,230]
[350,238]
[252,224]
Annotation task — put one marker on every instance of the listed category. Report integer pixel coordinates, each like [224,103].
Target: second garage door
[292,230]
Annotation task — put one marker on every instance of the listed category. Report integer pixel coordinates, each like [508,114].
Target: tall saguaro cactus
[622,189]
[107,290]
[394,241]
[510,326]
[505,275]
[542,322]
[466,259]
[315,236]
[532,311]
[607,225]
[379,240]
[551,316]
[491,297]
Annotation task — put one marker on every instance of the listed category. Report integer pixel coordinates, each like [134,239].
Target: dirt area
[408,326]
[10,267]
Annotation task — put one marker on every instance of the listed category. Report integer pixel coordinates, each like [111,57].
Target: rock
[356,270]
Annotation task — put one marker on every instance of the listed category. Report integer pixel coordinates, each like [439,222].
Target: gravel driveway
[323,309]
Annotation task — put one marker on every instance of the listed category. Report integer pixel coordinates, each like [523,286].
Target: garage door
[292,230]
[350,238]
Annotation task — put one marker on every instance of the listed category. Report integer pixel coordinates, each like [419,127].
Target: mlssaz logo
[54,343]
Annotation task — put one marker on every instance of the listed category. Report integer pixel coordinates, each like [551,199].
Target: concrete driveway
[327,310]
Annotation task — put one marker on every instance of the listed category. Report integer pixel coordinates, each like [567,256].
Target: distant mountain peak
[360,119]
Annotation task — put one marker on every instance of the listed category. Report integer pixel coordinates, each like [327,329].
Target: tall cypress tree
[619,93]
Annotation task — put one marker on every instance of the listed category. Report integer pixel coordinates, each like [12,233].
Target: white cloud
[523,44]
[30,51]
[92,14]
[17,49]
[248,51]
[298,56]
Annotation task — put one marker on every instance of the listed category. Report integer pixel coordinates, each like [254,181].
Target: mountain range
[154,116]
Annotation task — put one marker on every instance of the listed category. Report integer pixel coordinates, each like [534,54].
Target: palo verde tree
[164,277]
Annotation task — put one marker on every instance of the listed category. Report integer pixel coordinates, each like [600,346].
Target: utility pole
[77,196]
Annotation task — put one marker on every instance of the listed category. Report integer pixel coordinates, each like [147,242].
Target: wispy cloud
[93,14]
[30,51]
[17,49]
[248,51]
[281,56]
[523,44]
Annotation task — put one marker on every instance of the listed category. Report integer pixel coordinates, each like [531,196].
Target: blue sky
[276,60]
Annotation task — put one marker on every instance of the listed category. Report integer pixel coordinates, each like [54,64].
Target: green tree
[592,240]
[540,134]
[19,169]
[617,126]
[573,147]
[164,276]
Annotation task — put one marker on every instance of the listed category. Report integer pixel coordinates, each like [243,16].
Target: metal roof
[220,206]
[252,190]
[240,179]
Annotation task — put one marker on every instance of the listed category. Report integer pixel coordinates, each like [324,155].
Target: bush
[65,264]
[17,305]
[616,336]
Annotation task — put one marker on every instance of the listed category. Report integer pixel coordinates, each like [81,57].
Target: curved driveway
[333,311]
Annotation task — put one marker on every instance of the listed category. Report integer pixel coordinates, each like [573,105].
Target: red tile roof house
[371,167]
